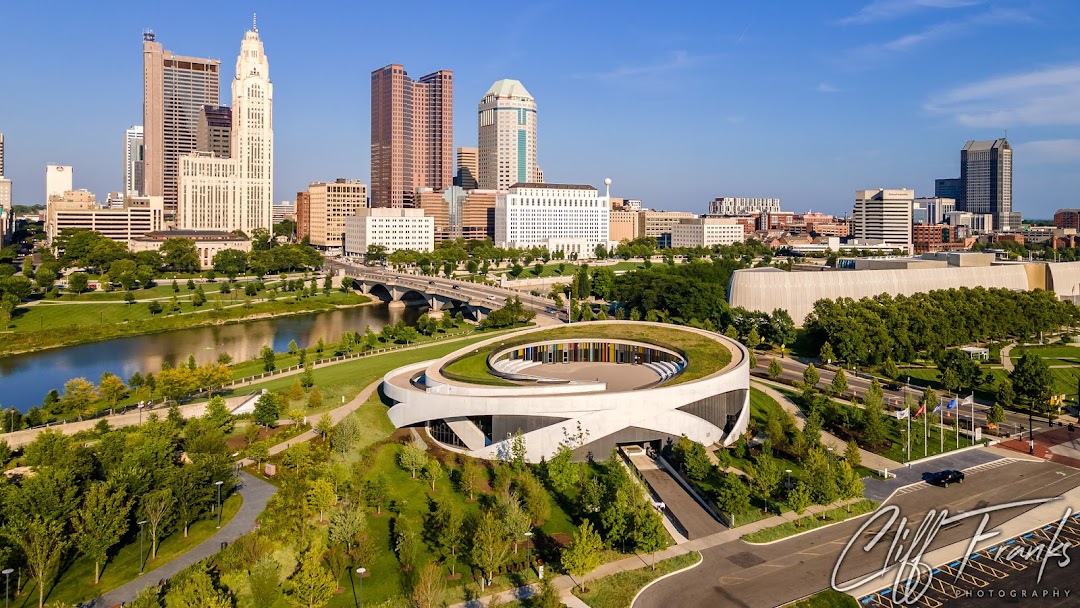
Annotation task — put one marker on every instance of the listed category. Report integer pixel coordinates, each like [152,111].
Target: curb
[786,538]
[701,560]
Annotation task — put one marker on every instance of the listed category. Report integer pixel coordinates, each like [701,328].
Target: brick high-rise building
[175,89]
[412,134]
[303,215]
[329,204]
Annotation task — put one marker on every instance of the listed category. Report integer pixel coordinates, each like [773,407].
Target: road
[492,297]
[741,574]
[858,385]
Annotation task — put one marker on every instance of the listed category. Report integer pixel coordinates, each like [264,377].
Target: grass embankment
[618,590]
[811,522]
[705,356]
[48,325]
[76,583]
[828,598]
[551,269]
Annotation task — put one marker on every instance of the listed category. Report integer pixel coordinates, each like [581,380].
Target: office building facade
[235,193]
[390,228]
[213,134]
[658,224]
[947,187]
[733,205]
[561,217]
[468,168]
[58,180]
[303,215]
[883,215]
[412,134]
[175,89]
[1067,218]
[329,204]
[622,224]
[706,232]
[137,216]
[986,181]
[134,157]
[507,123]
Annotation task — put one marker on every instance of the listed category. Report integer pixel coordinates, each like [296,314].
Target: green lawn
[828,598]
[618,590]
[53,324]
[705,356]
[810,522]
[76,583]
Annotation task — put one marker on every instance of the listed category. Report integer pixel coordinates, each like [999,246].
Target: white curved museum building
[591,386]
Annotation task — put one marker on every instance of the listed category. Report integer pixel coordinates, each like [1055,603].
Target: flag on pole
[921,411]
[969,400]
[936,409]
[901,414]
[952,404]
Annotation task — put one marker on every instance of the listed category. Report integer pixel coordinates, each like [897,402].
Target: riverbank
[15,343]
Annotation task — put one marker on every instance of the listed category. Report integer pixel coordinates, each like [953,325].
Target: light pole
[218,484]
[7,585]
[142,562]
[140,413]
[360,573]
[787,483]
[528,547]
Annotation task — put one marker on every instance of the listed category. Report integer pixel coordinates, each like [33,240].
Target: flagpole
[958,424]
[940,429]
[926,432]
[972,397]
[908,432]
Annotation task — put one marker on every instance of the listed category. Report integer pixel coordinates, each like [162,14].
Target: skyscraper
[175,88]
[236,193]
[412,134]
[133,160]
[214,131]
[947,187]
[986,181]
[468,168]
[507,118]
[883,216]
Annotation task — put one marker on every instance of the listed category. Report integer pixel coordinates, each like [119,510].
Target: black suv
[944,478]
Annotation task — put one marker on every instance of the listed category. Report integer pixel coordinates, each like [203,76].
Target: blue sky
[676,102]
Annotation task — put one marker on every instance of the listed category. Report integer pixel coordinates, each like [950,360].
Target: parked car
[892,386]
[457,286]
[944,478]
[431,282]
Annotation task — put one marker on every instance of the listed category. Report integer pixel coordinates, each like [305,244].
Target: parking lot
[987,581]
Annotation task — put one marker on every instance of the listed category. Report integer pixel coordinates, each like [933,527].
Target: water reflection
[25,379]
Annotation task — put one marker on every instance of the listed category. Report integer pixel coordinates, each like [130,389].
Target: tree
[847,482]
[515,520]
[406,543]
[112,388]
[470,478]
[100,523]
[949,380]
[890,369]
[268,358]
[230,262]
[42,542]
[450,530]
[1006,396]
[774,369]
[155,307]
[873,415]
[428,589]
[826,353]
[432,472]
[156,507]
[692,458]
[1031,377]
[78,282]
[263,582]
[199,297]
[774,431]
[995,415]
[490,547]
[546,595]
[325,426]
[376,492]
[820,479]
[267,409]
[648,532]
[753,340]
[321,496]
[79,395]
[852,455]
[839,382]
[346,525]
[810,378]
[799,498]
[812,430]
[583,554]
[412,458]
[734,497]
[766,476]
[313,585]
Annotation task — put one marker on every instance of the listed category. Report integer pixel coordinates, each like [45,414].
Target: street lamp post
[7,585]
[1031,435]
[787,483]
[218,484]
[140,412]
[142,561]
[360,573]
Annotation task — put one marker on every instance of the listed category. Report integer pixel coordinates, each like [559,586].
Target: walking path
[1006,360]
[256,494]
[869,459]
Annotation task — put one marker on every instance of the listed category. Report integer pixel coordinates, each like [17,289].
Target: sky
[676,102]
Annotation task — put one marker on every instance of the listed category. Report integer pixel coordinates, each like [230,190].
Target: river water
[25,379]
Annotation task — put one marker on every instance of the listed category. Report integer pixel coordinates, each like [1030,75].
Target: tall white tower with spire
[253,132]
[236,193]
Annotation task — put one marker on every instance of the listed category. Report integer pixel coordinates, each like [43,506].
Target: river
[26,378]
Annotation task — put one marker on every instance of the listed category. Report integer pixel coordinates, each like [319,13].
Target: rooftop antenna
[254,23]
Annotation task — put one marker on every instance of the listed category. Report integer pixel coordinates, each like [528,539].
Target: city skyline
[885,93]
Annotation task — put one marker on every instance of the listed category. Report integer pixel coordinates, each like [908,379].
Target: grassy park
[618,590]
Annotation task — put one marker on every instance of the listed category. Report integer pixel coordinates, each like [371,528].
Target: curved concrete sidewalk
[256,494]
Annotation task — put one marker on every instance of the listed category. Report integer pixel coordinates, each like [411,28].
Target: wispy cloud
[885,10]
[676,60]
[1050,150]
[824,87]
[1048,96]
